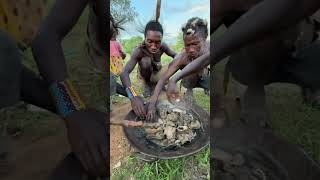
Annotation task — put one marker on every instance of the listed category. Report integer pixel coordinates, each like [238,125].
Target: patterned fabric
[21,19]
[66,98]
[116,61]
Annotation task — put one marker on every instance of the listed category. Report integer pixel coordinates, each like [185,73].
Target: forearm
[157,90]
[48,53]
[125,78]
[193,67]
[267,17]
[50,58]
[46,46]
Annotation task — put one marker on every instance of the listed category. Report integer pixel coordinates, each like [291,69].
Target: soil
[36,157]
[119,147]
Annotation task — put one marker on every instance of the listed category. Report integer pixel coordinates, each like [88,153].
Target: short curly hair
[195,25]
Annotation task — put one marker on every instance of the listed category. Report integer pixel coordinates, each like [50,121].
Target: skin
[259,23]
[247,44]
[154,48]
[87,129]
[195,46]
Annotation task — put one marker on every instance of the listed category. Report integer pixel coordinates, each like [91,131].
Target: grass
[193,167]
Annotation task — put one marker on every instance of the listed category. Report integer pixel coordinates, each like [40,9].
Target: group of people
[268,40]
[147,55]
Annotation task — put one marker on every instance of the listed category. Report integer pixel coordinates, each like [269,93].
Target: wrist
[67,99]
[152,101]
[131,92]
[174,79]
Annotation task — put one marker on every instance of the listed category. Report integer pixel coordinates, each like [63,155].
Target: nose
[153,46]
[192,51]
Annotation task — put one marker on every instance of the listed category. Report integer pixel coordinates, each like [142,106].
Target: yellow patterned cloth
[21,18]
[116,64]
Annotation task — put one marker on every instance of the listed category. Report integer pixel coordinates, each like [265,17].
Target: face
[153,41]
[193,45]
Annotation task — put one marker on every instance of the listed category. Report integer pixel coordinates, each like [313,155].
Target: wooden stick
[133,124]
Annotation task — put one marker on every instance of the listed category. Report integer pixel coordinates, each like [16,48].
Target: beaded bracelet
[66,98]
[131,92]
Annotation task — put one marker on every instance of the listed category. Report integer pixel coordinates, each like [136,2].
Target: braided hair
[115,27]
[153,26]
[195,25]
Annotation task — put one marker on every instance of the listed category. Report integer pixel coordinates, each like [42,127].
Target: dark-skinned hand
[88,138]
[138,106]
[151,112]
[172,92]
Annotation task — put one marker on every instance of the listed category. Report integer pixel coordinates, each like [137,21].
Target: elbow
[38,44]
[43,42]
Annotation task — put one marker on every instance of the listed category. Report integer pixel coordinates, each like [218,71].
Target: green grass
[193,167]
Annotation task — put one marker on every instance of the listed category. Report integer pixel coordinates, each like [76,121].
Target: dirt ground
[35,157]
[119,146]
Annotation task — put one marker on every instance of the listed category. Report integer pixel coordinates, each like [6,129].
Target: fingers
[83,161]
[92,166]
[149,116]
[139,110]
[136,111]
[99,162]
[143,111]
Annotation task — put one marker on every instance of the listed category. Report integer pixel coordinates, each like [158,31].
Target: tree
[129,44]
[179,43]
[122,10]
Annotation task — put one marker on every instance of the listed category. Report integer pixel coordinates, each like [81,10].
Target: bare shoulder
[137,52]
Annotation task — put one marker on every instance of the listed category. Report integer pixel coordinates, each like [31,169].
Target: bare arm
[125,75]
[195,66]
[173,68]
[47,47]
[264,19]
[169,51]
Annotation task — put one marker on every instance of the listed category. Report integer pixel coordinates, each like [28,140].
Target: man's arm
[173,68]
[47,47]
[264,19]
[136,101]
[125,75]
[87,131]
[168,51]
[175,65]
